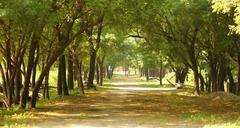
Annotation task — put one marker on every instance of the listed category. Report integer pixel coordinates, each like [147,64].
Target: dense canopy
[59,46]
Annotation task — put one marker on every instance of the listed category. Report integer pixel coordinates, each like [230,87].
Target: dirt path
[127,105]
[111,109]
[117,107]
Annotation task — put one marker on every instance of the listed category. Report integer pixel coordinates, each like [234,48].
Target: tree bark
[108,72]
[33,46]
[60,83]
[101,72]
[195,71]
[5,91]
[85,75]
[91,69]
[231,86]
[80,81]
[202,82]
[97,74]
[147,74]
[35,68]
[238,86]
[161,72]
[70,72]
[18,85]
[34,75]
[64,79]
[46,87]
[222,74]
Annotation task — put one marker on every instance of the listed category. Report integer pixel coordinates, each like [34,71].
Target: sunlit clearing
[125,83]
[143,89]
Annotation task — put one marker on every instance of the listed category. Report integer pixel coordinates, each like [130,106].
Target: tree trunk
[91,69]
[147,74]
[35,68]
[46,87]
[111,73]
[221,76]
[196,82]
[80,81]
[202,82]
[194,67]
[177,76]
[46,69]
[101,72]
[43,74]
[180,74]
[161,72]
[60,83]
[25,93]
[208,83]
[75,72]
[5,91]
[85,75]
[70,72]
[97,74]
[231,86]
[18,85]
[108,72]
[34,75]
[238,86]
[8,73]
[64,79]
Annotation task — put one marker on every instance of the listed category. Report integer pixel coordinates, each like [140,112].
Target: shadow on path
[120,106]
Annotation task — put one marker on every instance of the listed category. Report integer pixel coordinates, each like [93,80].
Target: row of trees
[75,36]
[87,37]
[190,35]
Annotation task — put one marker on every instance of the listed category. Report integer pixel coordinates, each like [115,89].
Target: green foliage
[26,13]
[230,7]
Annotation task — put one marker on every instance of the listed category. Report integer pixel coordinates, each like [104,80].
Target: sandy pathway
[119,107]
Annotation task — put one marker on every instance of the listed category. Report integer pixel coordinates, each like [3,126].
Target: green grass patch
[211,118]
[10,111]
[17,120]
[200,116]
[13,117]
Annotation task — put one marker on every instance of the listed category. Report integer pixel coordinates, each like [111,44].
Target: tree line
[35,35]
[88,38]
[193,35]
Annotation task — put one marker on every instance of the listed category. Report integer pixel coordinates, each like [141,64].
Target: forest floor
[127,104]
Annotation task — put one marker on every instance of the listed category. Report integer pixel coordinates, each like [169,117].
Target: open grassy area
[136,81]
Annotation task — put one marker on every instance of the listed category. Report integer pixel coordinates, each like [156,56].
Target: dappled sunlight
[142,89]
[61,114]
[125,83]
[134,106]
[185,93]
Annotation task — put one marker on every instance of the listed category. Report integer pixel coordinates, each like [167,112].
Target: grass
[213,118]
[14,117]
[135,81]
